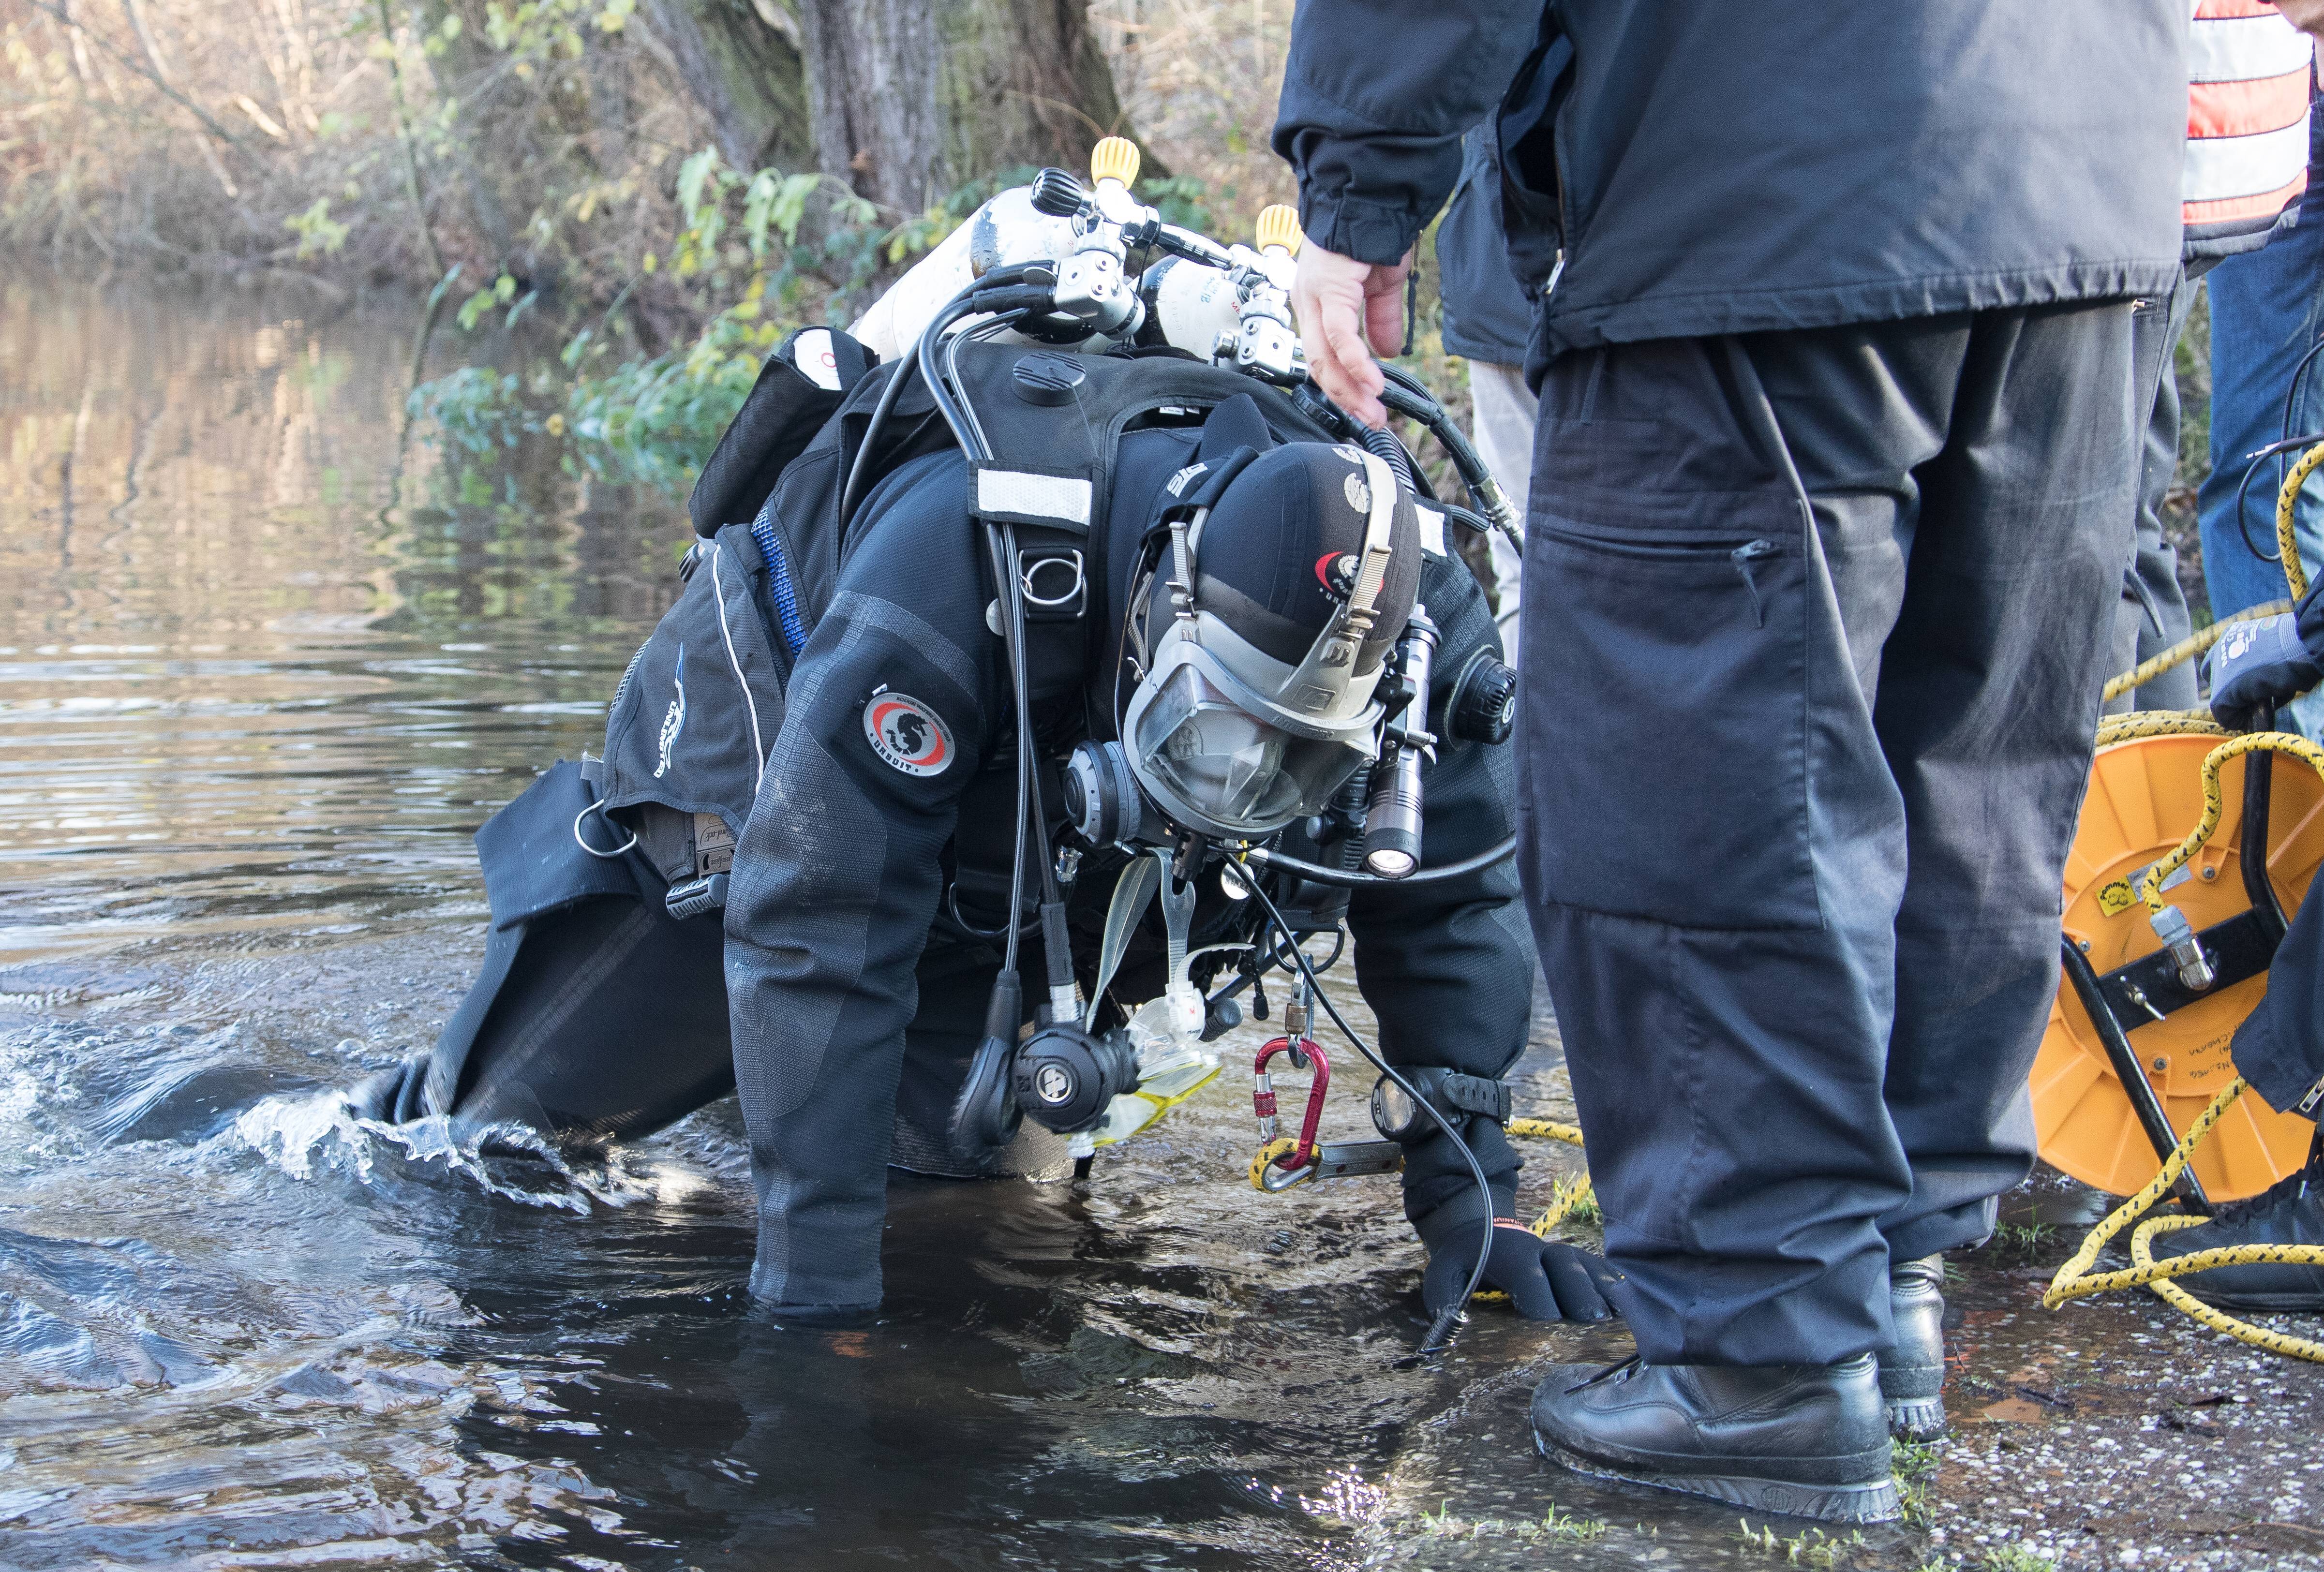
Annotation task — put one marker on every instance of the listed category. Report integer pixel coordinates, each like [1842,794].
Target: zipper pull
[1743,556]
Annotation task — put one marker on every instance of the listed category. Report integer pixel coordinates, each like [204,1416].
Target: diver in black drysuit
[858,942]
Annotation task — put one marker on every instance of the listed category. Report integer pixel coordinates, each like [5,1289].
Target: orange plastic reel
[2144,796]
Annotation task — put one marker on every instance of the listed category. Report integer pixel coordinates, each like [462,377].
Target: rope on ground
[2186,649]
[1564,1198]
[2076,1281]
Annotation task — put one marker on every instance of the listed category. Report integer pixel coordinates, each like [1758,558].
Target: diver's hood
[1288,575]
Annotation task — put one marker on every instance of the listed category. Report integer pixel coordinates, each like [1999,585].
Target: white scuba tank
[1004,232]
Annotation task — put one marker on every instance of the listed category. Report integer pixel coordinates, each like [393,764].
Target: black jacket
[1488,315]
[1729,168]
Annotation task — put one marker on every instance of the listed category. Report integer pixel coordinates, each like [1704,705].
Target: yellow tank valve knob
[1279,225]
[1114,159]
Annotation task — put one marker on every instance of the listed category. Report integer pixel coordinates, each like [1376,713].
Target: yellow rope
[2150,888]
[2186,648]
[2287,539]
[2139,723]
[2076,1281]
[1562,1199]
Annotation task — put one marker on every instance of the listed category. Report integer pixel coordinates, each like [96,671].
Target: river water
[265,666]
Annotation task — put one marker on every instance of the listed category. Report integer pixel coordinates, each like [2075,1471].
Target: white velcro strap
[1432,530]
[1024,495]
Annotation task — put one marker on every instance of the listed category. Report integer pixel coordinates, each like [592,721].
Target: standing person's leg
[1722,923]
[1720,926]
[1728,979]
[2267,309]
[1502,428]
[2154,613]
[1988,705]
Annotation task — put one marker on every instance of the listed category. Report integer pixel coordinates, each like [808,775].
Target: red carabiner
[1303,1053]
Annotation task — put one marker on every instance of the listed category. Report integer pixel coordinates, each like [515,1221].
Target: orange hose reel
[2145,796]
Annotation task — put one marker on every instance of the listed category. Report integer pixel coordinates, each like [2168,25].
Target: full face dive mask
[1282,583]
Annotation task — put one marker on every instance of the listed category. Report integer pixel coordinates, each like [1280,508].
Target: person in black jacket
[1836,464]
[860,938]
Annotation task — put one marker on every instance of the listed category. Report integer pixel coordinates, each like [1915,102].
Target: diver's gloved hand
[1546,1280]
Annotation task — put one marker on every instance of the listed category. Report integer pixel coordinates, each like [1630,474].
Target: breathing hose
[2075,1280]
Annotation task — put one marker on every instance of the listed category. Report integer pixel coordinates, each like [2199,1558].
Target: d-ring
[583,840]
[1030,567]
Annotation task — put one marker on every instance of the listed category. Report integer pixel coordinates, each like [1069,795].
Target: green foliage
[1812,1548]
[2018,1559]
[759,253]
[1915,1466]
[1558,1524]
[316,230]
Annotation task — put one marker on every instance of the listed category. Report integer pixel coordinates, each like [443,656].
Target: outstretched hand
[1348,311]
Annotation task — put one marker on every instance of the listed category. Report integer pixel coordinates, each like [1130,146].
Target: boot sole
[1831,1503]
[1916,1418]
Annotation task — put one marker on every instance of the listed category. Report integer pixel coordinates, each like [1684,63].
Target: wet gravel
[2112,1433]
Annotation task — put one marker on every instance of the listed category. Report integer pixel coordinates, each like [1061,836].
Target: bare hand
[1341,303]
[2307,15]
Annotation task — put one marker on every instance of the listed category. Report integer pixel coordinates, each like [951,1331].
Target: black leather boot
[1809,1441]
[2289,1212]
[1913,1372]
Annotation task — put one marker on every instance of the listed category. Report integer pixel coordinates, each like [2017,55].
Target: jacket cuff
[1369,232]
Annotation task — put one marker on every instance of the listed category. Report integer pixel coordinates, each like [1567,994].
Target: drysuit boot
[1809,1441]
[1913,1372]
[2289,1212]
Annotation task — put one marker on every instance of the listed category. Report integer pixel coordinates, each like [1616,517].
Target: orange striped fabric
[2249,73]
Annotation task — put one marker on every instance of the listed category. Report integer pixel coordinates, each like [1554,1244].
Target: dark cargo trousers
[1815,623]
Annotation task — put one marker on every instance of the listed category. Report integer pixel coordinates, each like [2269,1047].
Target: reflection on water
[260,675]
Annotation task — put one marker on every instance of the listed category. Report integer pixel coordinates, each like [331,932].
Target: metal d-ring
[583,840]
[1029,567]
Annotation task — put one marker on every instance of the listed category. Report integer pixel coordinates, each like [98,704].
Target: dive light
[1392,819]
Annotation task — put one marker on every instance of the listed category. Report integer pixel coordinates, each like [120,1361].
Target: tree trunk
[741,64]
[910,99]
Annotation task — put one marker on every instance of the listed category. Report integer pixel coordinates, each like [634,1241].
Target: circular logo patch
[908,734]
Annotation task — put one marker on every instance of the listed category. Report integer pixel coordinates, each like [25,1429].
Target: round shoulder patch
[908,734]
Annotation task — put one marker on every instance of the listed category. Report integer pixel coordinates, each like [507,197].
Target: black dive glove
[1546,1280]
[2270,660]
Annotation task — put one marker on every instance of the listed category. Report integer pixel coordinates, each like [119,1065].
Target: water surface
[265,666]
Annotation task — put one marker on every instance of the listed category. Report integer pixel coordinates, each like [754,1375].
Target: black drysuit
[1832,492]
[840,869]
[854,986]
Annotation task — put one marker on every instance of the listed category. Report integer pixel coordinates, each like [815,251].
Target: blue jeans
[2268,307]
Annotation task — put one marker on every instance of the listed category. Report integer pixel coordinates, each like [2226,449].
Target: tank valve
[2196,973]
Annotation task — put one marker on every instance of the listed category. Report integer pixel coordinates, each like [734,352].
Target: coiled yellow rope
[2075,1280]
[2186,649]
[2139,723]
[2150,888]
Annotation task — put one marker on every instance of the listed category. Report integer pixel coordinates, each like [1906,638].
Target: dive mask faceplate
[1231,741]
